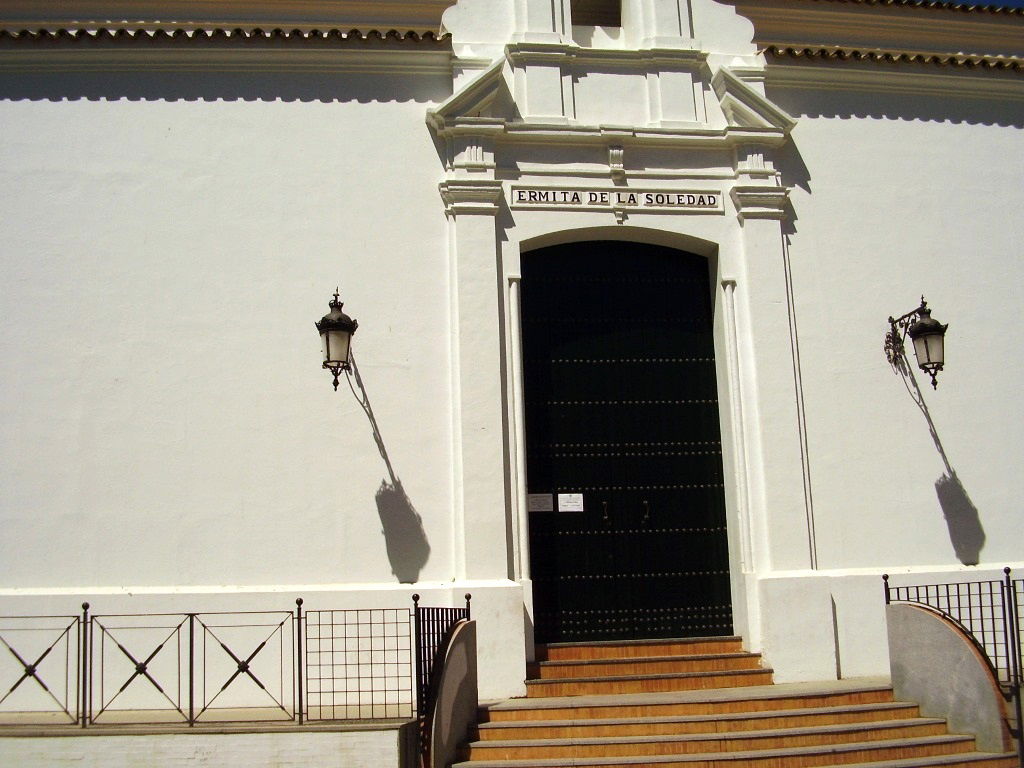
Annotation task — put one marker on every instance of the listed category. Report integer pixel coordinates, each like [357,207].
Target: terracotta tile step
[645,665]
[691,744]
[716,723]
[918,749]
[582,686]
[758,698]
[633,648]
[959,760]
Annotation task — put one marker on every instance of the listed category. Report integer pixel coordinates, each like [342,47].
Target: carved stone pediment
[563,93]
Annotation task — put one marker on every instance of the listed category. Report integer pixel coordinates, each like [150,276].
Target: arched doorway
[623,444]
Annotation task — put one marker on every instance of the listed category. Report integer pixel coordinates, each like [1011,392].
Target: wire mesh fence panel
[1016,591]
[40,659]
[359,664]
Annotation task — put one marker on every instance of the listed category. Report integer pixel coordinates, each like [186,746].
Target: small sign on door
[570,502]
[540,502]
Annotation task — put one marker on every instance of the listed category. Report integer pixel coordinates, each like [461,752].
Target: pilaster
[782,505]
[479,529]
[542,21]
[658,23]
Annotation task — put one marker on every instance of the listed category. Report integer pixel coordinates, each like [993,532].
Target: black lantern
[927,334]
[336,329]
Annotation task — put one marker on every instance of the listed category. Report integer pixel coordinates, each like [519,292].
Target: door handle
[647,511]
[604,513]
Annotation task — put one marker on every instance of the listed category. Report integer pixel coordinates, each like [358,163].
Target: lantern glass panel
[337,343]
[936,351]
[929,349]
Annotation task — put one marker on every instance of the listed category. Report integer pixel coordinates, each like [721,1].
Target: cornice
[760,202]
[826,73]
[251,60]
[695,137]
[520,53]
[471,196]
[744,106]
[232,51]
[54,15]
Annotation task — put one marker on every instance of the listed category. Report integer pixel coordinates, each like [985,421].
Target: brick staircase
[704,703]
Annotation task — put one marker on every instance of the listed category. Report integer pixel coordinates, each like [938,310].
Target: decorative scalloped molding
[856,56]
[866,26]
[937,5]
[419,15]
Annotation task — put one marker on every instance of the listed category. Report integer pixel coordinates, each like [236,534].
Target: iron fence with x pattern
[194,668]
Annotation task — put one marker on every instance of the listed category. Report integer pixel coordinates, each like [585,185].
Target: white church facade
[622,274]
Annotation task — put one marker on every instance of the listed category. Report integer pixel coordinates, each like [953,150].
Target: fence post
[299,658]
[1012,631]
[418,654]
[885,583]
[191,669]
[468,598]
[84,673]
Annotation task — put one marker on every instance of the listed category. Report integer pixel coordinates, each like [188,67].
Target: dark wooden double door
[622,410]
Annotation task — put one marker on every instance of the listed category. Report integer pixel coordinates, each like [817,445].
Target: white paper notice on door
[540,502]
[570,502]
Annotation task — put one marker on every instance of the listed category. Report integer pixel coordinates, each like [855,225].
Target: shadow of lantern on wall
[405,538]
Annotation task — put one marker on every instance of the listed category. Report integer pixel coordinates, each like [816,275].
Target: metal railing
[989,613]
[95,669]
[433,633]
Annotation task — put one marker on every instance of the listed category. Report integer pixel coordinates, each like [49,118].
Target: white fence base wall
[385,746]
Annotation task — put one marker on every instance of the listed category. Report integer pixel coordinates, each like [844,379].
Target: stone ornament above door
[555,109]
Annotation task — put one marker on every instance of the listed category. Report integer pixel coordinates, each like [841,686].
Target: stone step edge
[648,659]
[646,641]
[725,757]
[765,714]
[663,676]
[769,691]
[934,761]
[771,733]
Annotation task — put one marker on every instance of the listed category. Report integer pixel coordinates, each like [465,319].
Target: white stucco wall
[896,195]
[169,239]
[165,420]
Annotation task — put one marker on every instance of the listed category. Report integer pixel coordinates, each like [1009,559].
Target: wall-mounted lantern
[336,329]
[927,334]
